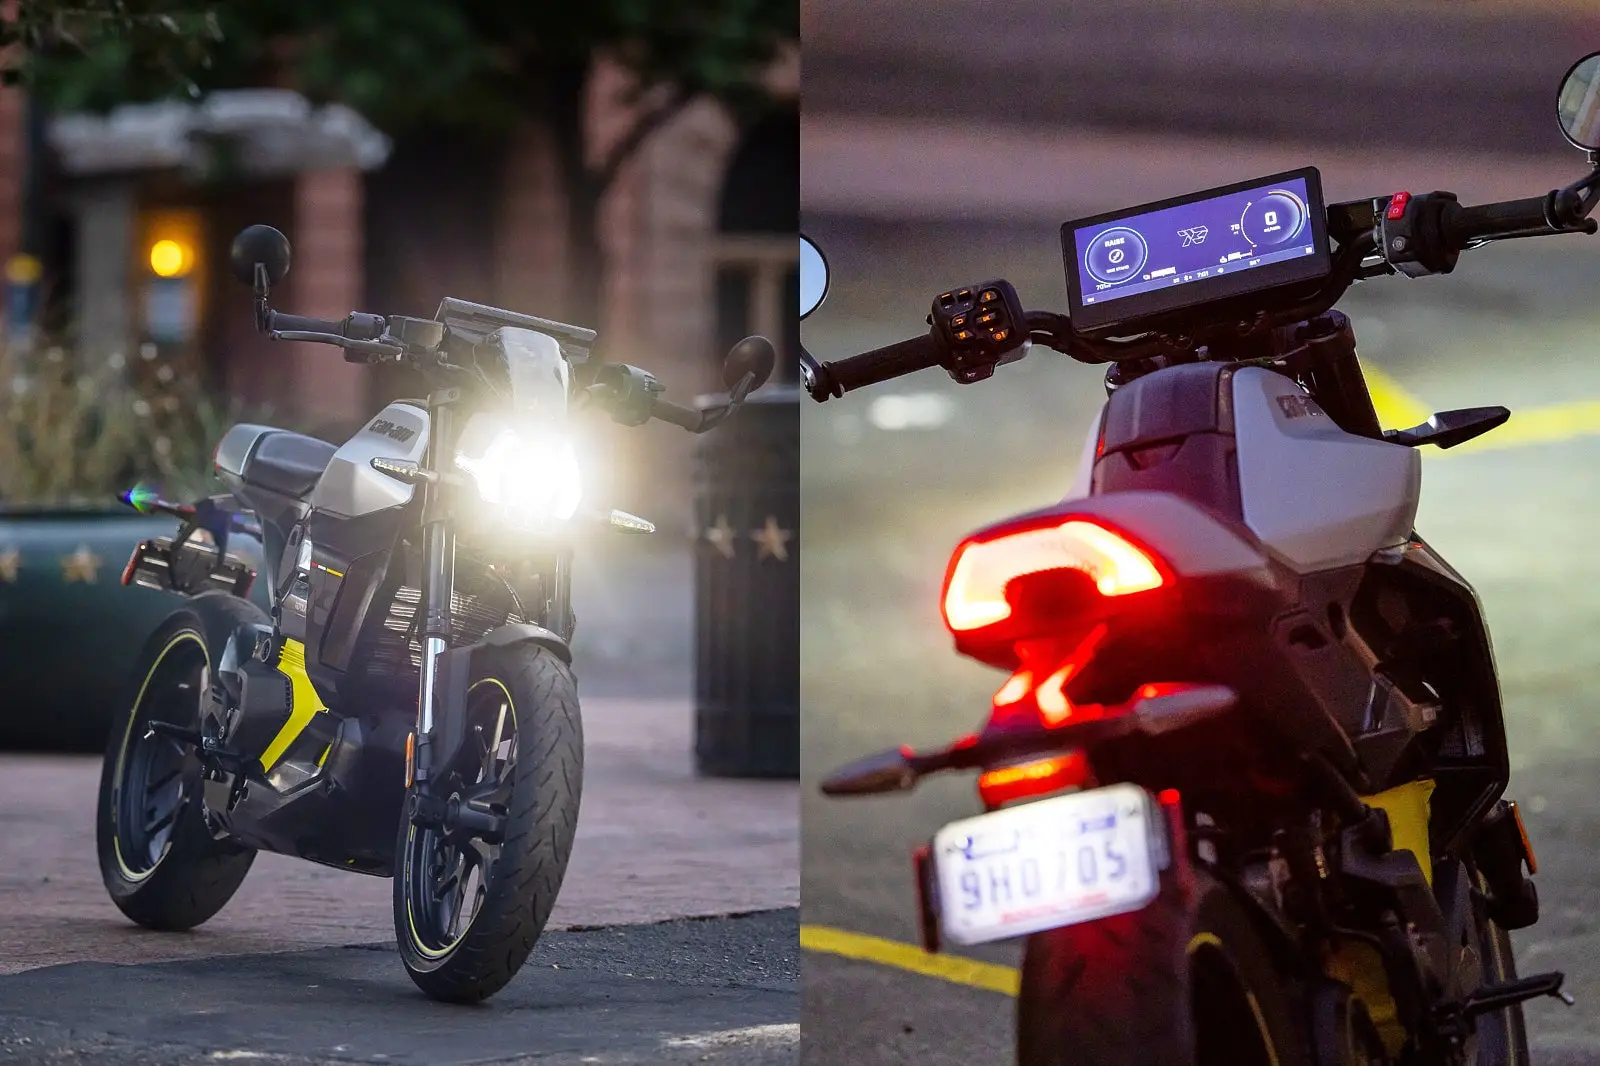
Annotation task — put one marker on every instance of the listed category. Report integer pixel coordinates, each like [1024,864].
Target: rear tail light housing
[1038,576]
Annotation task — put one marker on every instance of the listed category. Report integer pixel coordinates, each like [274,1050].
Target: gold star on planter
[10,563]
[82,565]
[721,536]
[773,540]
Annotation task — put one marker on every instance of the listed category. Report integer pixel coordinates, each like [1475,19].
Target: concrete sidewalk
[654,842]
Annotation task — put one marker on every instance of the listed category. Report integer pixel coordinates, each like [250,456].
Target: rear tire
[1187,981]
[1502,1034]
[159,862]
[464,958]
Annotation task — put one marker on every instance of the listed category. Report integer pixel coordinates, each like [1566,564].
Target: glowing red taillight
[975,593]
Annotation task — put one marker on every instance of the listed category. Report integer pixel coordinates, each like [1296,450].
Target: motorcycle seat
[288,463]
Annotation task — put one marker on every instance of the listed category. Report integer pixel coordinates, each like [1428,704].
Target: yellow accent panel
[1410,809]
[307,704]
[1359,966]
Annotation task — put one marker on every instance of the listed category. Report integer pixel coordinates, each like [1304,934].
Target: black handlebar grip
[886,363]
[668,411]
[306,324]
[1466,224]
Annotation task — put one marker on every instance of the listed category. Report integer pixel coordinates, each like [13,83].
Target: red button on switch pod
[1397,205]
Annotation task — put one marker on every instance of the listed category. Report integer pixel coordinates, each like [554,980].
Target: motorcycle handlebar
[678,415]
[1462,225]
[355,326]
[881,364]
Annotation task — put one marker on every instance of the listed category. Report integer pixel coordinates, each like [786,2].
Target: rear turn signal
[1007,784]
[975,591]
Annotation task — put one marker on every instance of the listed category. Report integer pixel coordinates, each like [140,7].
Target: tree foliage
[483,64]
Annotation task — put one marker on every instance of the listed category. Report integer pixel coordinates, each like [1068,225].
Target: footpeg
[190,737]
[1496,997]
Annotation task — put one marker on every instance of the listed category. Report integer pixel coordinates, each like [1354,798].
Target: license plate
[1057,862]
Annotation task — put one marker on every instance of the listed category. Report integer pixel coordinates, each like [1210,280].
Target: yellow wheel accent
[1211,940]
[411,836]
[188,635]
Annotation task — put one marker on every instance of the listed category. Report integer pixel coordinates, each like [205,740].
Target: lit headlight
[535,478]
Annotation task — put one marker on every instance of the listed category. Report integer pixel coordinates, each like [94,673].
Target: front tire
[1187,981]
[159,862]
[467,913]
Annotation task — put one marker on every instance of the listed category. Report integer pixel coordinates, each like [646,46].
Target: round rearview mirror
[259,244]
[1578,104]
[753,355]
[813,276]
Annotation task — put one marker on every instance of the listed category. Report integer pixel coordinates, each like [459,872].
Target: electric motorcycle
[1243,784]
[407,708]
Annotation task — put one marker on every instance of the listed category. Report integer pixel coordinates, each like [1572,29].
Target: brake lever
[378,348]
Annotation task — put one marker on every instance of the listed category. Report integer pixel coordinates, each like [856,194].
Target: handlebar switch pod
[423,333]
[1410,234]
[628,392]
[981,326]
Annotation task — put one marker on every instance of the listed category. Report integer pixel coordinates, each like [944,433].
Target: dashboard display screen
[1195,249]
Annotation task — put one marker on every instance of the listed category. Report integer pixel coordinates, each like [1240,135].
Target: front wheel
[467,913]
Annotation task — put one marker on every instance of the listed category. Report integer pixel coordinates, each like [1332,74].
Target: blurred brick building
[698,229]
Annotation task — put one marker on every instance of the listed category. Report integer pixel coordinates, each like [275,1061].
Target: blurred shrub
[74,435]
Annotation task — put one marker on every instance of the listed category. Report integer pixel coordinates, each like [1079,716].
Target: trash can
[747,591]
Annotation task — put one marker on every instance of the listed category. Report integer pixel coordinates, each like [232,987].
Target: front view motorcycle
[407,707]
[1243,783]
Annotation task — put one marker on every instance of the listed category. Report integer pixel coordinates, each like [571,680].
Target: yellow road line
[952,968]
[1540,425]
[1397,408]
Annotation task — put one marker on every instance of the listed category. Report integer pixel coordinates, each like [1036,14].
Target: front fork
[438,589]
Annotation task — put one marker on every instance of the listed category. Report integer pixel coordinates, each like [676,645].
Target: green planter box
[69,630]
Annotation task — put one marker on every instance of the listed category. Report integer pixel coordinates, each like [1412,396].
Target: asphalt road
[718,991]
[1435,74]
[894,476]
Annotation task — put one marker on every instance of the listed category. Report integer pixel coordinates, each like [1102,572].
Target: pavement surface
[1462,75]
[655,844]
[895,476]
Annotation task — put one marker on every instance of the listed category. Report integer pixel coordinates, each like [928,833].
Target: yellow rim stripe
[122,754]
[985,975]
[411,834]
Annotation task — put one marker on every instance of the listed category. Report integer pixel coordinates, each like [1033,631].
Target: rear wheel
[1502,1035]
[159,862]
[1187,981]
[468,912]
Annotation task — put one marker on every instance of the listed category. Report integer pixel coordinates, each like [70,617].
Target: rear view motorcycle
[1243,782]
[408,707]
